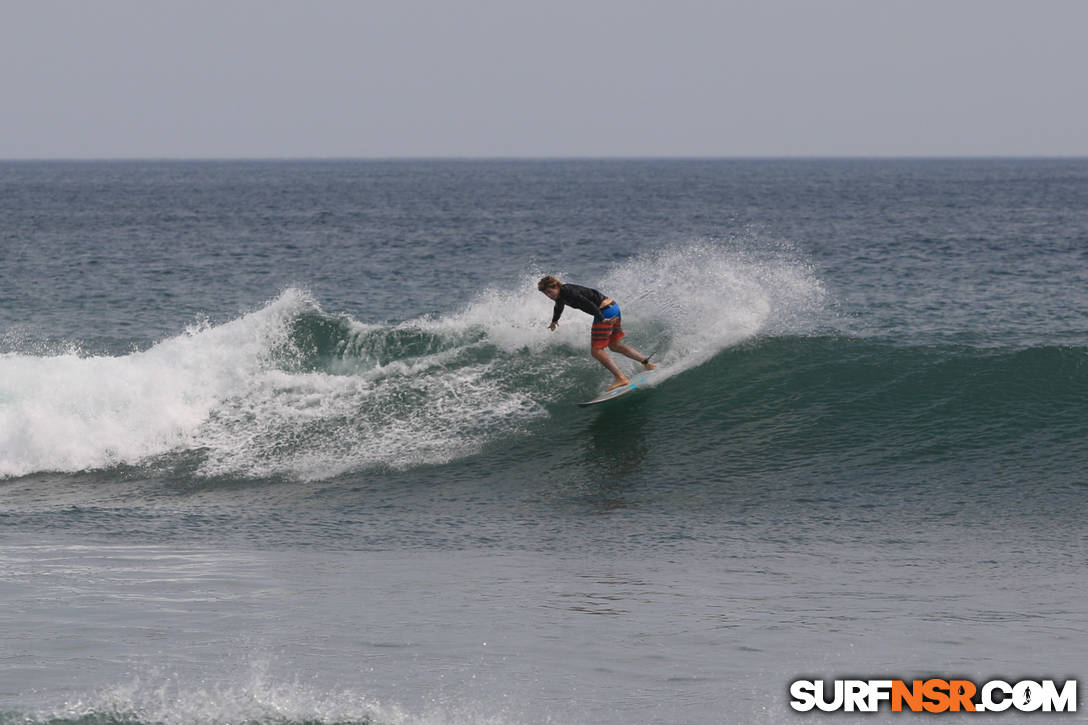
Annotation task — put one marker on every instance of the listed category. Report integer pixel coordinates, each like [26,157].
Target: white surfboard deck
[639,380]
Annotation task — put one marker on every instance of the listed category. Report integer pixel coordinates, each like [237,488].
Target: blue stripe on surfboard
[631,387]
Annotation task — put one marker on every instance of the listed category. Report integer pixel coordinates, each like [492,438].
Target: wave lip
[702,298]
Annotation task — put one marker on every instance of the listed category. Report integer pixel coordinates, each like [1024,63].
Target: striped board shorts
[608,331]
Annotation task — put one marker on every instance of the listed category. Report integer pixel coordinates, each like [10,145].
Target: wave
[796,399]
[292,390]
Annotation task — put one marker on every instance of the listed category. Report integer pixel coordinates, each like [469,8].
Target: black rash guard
[583,298]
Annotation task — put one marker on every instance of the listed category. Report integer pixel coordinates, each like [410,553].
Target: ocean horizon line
[527,158]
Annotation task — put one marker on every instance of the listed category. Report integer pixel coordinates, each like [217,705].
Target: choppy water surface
[291,442]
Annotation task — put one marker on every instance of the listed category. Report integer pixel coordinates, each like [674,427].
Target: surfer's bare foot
[620,382]
[648,365]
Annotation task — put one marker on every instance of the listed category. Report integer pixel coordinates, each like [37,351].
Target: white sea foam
[71,412]
[250,696]
[686,302]
[689,303]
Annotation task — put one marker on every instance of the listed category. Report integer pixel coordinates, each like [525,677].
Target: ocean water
[288,443]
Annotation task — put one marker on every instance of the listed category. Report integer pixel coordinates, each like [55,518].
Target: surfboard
[641,379]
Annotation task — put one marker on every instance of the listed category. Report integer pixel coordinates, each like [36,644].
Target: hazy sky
[468,78]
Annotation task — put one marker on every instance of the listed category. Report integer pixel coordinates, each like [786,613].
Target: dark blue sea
[290,443]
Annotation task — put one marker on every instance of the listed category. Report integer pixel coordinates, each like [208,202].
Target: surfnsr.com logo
[933,695]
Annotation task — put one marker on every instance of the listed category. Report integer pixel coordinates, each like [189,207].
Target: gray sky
[469,78]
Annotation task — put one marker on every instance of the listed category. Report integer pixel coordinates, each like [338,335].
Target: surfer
[607,330]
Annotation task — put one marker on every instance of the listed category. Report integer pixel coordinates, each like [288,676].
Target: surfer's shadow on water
[616,449]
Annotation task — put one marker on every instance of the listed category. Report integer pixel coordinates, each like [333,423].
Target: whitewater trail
[291,390]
